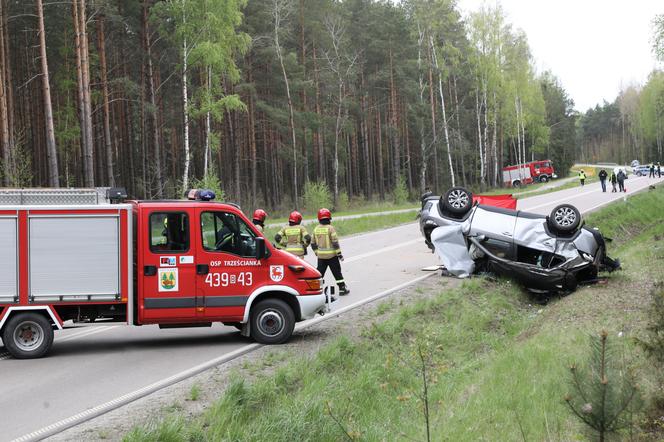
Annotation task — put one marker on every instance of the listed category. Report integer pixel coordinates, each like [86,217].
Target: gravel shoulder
[211,384]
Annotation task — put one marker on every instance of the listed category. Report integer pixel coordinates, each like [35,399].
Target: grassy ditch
[359,225]
[478,362]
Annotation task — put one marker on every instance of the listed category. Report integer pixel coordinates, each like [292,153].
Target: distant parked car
[641,170]
[635,164]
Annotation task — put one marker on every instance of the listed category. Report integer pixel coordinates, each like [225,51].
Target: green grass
[497,366]
[358,225]
[368,207]
[194,392]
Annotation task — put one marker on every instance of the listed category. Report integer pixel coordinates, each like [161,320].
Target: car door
[169,276]
[496,227]
[228,270]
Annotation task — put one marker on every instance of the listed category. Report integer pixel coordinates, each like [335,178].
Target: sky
[595,47]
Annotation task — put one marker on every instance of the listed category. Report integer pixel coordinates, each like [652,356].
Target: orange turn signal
[314,284]
[296,268]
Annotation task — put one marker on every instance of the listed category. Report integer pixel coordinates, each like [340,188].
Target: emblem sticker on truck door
[168,280]
[276,273]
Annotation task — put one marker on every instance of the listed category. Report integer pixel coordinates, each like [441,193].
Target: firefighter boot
[343,290]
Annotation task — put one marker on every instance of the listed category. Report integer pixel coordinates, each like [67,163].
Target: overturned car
[546,253]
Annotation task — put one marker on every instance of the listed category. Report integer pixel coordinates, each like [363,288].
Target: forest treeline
[260,97]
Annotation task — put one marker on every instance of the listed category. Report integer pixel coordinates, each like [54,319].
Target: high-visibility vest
[582,175]
[294,239]
[325,242]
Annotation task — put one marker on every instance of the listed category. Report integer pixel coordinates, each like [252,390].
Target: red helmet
[324,214]
[260,215]
[295,217]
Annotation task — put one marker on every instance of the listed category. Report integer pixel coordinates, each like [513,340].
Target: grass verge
[363,208]
[359,225]
[496,366]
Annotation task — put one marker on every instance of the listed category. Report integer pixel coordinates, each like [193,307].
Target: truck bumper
[311,304]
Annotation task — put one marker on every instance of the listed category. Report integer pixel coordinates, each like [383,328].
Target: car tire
[457,201]
[272,321]
[27,335]
[564,218]
[543,179]
[516,184]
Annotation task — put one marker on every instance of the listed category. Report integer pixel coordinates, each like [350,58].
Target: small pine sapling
[604,392]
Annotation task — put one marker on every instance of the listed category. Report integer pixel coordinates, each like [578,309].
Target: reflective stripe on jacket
[325,242]
[294,239]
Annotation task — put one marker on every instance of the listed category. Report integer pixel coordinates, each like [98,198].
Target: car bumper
[311,304]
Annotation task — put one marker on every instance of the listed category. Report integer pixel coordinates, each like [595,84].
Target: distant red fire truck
[85,255]
[528,173]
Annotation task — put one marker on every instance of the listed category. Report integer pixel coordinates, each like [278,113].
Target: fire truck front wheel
[27,335]
[272,321]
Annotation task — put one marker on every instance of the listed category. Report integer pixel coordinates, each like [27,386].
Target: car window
[227,232]
[169,231]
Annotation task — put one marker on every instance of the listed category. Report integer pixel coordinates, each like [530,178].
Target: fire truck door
[169,272]
[226,252]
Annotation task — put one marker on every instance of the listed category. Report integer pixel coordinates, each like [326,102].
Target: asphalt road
[92,365]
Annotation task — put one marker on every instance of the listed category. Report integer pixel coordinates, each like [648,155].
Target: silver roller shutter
[8,260]
[74,256]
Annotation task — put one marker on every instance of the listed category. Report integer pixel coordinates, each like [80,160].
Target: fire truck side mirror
[260,247]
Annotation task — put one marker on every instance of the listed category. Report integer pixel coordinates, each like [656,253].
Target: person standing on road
[582,177]
[621,181]
[325,244]
[614,182]
[602,179]
[259,219]
[294,237]
[652,171]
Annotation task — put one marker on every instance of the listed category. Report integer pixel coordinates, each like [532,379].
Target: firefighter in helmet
[325,244]
[259,219]
[294,238]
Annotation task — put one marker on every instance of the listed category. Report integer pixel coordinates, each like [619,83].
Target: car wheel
[28,335]
[272,322]
[516,184]
[544,179]
[457,200]
[565,218]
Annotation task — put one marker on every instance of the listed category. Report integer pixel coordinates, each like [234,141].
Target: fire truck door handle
[150,270]
[202,269]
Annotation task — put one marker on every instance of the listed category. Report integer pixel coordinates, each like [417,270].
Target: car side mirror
[260,247]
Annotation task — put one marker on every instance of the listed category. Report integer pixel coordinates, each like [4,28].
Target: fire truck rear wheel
[28,335]
[272,321]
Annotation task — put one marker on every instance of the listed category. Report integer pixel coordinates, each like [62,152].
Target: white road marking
[577,195]
[383,250]
[91,413]
[92,330]
[567,198]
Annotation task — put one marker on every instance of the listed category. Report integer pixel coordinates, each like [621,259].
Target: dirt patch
[209,386]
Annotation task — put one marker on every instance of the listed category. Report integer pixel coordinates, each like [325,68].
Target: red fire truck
[86,255]
[527,173]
